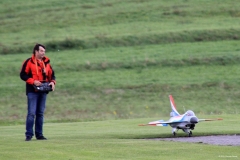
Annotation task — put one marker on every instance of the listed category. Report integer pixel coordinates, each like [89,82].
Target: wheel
[174,134]
[190,134]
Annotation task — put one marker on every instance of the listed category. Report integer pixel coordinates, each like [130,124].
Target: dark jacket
[33,70]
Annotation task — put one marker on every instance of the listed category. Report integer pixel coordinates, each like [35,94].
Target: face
[40,53]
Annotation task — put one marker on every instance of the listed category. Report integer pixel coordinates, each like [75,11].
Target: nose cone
[194,120]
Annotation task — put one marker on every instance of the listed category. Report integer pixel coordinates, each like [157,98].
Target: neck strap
[44,68]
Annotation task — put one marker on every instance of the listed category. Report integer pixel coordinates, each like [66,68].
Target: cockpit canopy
[190,113]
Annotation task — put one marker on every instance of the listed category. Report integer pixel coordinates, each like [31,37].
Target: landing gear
[190,134]
[174,131]
[192,126]
[188,131]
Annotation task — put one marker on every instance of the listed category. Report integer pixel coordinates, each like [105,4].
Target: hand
[37,83]
[53,85]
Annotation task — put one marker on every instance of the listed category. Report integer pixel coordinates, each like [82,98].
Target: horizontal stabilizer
[155,123]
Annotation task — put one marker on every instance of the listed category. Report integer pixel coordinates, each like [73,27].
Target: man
[35,71]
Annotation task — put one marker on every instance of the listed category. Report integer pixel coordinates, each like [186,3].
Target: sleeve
[53,78]
[25,74]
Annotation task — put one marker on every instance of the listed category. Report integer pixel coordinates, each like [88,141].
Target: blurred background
[121,59]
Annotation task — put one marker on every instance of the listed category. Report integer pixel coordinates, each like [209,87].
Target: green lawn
[115,139]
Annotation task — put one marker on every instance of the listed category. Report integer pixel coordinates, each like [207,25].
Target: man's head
[39,51]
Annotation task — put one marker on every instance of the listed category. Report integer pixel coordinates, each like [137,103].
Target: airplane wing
[218,119]
[177,119]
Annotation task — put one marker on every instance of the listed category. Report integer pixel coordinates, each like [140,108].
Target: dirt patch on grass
[225,140]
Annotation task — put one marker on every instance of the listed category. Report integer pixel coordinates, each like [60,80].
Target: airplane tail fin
[173,106]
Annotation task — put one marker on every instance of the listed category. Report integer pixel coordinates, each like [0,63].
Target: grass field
[116,62]
[116,139]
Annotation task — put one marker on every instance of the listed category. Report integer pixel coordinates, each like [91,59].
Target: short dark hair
[36,47]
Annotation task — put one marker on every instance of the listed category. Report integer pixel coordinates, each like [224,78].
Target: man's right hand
[37,83]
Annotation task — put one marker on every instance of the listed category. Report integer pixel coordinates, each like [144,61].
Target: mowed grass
[116,139]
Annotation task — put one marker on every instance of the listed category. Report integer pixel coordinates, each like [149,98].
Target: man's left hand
[53,85]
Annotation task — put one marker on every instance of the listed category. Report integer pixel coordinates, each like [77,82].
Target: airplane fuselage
[185,121]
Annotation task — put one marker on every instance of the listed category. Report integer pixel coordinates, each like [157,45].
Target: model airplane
[186,121]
